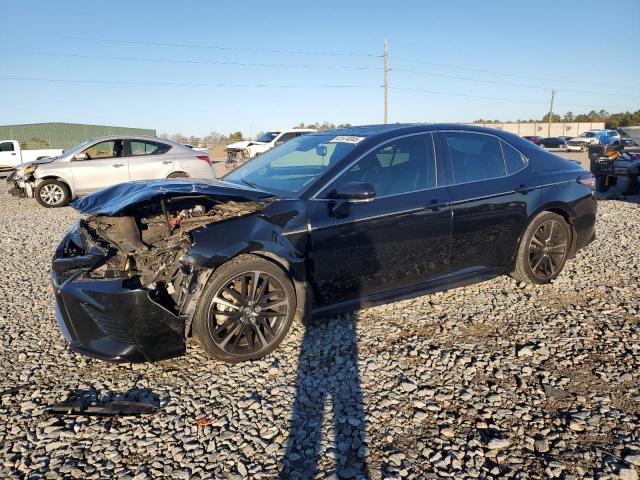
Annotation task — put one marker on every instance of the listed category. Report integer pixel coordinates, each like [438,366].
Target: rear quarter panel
[194,167]
[562,193]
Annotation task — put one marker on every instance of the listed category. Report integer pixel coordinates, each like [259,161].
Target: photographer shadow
[327,385]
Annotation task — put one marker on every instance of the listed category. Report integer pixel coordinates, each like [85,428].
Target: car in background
[196,149]
[554,142]
[330,221]
[533,138]
[105,161]
[594,137]
[628,142]
[247,149]
[12,154]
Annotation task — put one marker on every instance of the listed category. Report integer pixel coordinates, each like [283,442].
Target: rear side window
[6,147]
[285,137]
[514,160]
[140,147]
[474,156]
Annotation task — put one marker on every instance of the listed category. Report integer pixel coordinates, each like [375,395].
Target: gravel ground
[495,380]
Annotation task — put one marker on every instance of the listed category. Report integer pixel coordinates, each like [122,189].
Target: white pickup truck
[11,155]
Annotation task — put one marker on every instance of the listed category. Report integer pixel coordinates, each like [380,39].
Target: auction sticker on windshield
[346,139]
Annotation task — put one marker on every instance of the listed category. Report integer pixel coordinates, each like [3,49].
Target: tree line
[611,120]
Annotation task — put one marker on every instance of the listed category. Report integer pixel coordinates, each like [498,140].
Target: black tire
[52,193]
[543,249]
[178,175]
[235,321]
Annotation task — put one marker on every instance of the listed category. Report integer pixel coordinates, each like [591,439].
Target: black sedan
[330,221]
[554,142]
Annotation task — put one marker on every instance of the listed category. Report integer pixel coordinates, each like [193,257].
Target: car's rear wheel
[246,310]
[52,193]
[543,250]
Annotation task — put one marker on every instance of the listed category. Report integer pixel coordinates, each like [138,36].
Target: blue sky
[568,43]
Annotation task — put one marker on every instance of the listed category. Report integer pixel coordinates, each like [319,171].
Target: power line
[187,61]
[218,47]
[503,99]
[515,75]
[497,82]
[179,84]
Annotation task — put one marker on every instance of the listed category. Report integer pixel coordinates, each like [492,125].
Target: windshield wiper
[247,182]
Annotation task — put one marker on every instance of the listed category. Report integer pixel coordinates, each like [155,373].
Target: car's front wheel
[52,193]
[245,310]
[543,249]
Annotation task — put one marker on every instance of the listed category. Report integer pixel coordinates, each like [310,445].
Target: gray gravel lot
[495,380]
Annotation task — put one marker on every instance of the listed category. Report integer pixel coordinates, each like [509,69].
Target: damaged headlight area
[124,285]
[147,249]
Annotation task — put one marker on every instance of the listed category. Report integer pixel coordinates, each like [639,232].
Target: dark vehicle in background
[553,142]
[533,138]
[628,142]
[566,138]
[615,165]
[327,222]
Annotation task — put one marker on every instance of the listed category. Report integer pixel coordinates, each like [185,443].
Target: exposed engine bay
[145,248]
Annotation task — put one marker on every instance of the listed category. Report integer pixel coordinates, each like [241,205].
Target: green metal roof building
[62,135]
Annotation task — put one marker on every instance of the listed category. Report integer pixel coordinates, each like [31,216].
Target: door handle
[435,204]
[522,188]
[167,162]
[118,165]
[13,153]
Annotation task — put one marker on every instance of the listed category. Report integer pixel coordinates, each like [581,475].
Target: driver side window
[108,149]
[400,166]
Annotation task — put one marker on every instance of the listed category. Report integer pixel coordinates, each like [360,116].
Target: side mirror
[355,192]
[81,156]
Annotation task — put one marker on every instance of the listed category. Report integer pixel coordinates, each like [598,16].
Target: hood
[584,139]
[115,200]
[244,144]
[633,132]
[20,168]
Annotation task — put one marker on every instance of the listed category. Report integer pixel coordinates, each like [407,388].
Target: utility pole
[553,94]
[386,81]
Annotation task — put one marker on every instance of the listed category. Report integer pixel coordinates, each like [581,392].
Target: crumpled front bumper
[105,319]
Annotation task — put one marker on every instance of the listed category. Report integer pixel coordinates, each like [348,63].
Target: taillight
[204,158]
[587,180]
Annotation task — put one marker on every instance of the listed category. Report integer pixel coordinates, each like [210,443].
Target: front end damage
[124,289]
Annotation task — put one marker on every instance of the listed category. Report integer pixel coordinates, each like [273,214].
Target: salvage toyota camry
[330,221]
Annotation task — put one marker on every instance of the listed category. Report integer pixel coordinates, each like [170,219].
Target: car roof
[132,137]
[381,129]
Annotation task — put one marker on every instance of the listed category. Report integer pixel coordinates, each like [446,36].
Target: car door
[492,194]
[99,165]
[148,159]
[398,239]
[8,155]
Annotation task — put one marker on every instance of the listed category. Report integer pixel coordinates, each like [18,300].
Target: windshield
[589,134]
[291,167]
[266,137]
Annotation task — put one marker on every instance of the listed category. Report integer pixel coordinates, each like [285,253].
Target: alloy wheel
[547,250]
[247,313]
[52,194]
